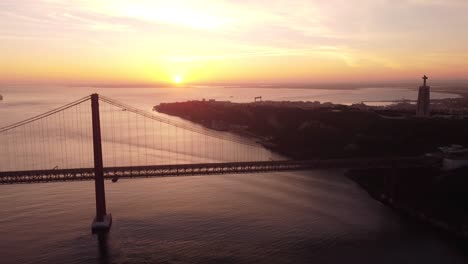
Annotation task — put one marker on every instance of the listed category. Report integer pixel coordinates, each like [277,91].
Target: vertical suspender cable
[114,140]
[154,150]
[129,139]
[146,145]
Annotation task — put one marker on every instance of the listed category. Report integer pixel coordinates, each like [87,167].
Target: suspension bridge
[98,138]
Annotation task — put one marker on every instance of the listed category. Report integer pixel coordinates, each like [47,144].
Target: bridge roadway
[80,174]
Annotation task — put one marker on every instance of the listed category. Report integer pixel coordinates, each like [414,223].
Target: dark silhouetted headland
[306,130]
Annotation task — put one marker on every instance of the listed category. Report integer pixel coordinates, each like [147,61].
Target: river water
[287,217]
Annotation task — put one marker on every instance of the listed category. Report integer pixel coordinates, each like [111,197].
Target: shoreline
[384,185]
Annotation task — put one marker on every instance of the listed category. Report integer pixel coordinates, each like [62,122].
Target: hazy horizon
[285,85]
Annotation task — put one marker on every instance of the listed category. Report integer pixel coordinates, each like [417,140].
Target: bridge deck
[80,174]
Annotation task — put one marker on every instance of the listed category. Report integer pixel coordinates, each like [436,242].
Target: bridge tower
[103,221]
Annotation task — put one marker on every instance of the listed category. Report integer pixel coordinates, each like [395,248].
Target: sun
[178,79]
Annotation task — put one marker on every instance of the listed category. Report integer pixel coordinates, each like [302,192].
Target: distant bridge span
[82,174]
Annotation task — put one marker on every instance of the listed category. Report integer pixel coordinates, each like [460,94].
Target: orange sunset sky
[112,42]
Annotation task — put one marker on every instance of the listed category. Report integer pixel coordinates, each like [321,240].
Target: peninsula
[305,130]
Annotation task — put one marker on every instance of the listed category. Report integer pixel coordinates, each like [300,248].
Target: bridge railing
[59,175]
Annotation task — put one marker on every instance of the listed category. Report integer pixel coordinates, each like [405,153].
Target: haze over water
[23,102]
[287,217]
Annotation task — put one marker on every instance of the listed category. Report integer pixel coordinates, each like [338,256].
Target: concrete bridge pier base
[99,227]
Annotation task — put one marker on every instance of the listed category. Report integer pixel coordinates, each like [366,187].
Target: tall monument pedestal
[424,100]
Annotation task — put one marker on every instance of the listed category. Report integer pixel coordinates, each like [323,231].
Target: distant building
[424,100]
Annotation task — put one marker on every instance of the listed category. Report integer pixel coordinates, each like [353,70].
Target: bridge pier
[103,221]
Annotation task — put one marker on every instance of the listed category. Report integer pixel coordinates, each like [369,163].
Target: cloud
[359,33]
